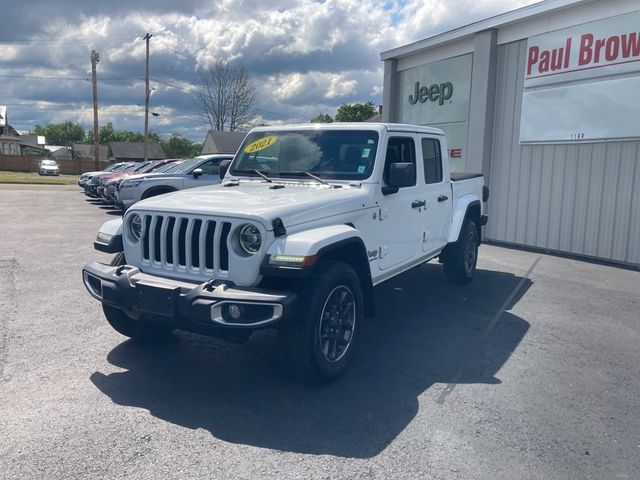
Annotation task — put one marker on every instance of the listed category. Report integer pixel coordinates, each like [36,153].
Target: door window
[399,149]
[432,159]
[211,167]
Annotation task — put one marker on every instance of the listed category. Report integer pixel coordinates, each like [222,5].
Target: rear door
[437,192]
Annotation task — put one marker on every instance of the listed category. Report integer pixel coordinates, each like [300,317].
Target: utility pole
[146,101]
[95,58]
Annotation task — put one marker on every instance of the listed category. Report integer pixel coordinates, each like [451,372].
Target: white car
[307,220]
[48,167]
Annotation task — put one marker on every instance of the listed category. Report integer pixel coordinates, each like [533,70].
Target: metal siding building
[580,197]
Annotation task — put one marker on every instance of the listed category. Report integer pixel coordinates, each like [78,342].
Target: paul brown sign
[434,93]
[611,45]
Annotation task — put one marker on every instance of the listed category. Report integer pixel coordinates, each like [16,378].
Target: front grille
[185,244]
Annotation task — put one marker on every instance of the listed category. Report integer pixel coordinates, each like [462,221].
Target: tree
[108,134]
[227,96]
[355,112]
[61,133]
[322,118]
[177,146]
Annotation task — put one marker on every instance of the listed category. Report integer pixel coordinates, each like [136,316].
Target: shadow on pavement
[425,332]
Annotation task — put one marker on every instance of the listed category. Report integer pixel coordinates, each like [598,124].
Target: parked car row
[124,184]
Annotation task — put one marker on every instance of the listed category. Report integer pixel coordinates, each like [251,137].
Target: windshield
[137,167]
[328,154]
[167,167]
[186,165]
[49,163]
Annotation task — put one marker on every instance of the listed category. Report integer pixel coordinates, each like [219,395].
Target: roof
[389,127]
[377,118]
[224,142]
[135,150]
[30,140]
[86,150]
[497,21]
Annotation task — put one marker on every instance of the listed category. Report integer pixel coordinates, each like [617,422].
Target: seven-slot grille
[185,243]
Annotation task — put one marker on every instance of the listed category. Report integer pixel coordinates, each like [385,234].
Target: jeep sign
[436,93]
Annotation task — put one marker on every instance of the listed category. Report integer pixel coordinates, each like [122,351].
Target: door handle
[418,203]
[442,198]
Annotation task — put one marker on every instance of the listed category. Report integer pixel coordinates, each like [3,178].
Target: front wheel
[320,340]
[459,261]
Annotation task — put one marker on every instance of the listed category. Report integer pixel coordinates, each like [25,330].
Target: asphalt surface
[532,371]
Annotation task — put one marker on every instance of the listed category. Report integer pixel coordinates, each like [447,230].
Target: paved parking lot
[530,372]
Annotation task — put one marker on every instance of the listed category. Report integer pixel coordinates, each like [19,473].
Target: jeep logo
[436,92]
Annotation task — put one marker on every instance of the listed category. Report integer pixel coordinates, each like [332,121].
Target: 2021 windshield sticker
[260,144]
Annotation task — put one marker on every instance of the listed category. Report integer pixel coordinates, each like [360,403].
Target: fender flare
[161,188]
[463,204]
[312,242]
[342,242]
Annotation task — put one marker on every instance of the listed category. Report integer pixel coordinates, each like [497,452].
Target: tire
[320,341]
[459,262]
[129,327]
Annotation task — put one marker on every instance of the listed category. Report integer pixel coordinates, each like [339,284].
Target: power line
[34,77]
[60,42]
[40,77]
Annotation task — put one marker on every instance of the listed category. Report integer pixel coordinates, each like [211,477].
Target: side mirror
[197,172]
[224,166]
[401,174]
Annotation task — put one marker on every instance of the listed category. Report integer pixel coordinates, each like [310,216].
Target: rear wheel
[459,261]
[130,327]
[320,340]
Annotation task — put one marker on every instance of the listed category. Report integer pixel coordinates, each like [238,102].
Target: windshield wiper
[254,171]
[304,172]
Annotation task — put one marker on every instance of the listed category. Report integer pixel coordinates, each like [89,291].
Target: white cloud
[306,56]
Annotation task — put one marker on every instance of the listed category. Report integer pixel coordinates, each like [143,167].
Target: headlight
[128,184]
[250,238]
[135,227]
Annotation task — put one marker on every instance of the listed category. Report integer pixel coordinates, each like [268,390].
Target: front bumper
[201,308]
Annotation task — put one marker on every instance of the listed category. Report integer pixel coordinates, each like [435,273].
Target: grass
[31,177]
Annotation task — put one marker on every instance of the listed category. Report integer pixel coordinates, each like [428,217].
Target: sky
[306,57]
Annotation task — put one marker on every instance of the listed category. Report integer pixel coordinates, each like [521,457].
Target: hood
[295,203]
[139,176]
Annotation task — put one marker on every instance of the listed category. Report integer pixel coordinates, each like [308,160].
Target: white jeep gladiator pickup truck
[306,221]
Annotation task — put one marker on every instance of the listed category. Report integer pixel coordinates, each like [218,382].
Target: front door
[400,219]
[210,173]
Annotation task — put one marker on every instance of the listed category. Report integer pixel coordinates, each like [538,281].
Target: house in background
[134,151]
[86,151]
[222,142]
[9,137]
[58,152]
